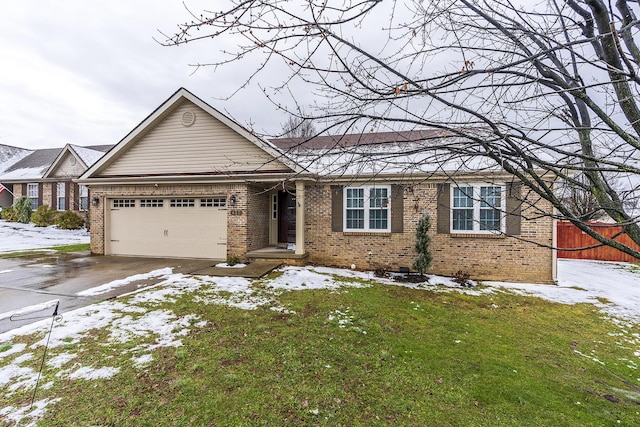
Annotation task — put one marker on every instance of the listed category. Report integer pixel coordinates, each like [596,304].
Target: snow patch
[122,282]
[89,373]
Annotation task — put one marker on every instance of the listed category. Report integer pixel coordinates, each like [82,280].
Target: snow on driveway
[19,237]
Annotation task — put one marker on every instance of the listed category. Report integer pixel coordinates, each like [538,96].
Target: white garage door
[184,227]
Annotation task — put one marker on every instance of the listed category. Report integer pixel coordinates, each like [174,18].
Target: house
[190,182]
[45,175]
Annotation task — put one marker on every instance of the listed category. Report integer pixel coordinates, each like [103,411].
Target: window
[84,197]
[215,202]
[477,208]
[124,203]
[367,208]
[61,191]
[151,203]
[32,193]
[274,206]
[182,203]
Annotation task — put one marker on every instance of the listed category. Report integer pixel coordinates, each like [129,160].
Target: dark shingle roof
[356,139]
[38,159]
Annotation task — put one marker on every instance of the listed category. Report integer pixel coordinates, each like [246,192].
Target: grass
[80,247]
[380,355]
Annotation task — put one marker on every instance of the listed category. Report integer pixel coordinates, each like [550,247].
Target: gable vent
[188,118]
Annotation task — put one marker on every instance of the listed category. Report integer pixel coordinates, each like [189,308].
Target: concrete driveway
[35,279]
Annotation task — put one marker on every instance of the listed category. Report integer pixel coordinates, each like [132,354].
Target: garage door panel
[185,229]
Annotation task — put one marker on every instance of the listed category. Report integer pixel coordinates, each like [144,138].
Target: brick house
[46,175]
[190,182]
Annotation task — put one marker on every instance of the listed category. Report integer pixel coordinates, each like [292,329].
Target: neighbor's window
[477,208]
[84,198]
[61,192]
[367,208]
[32,193]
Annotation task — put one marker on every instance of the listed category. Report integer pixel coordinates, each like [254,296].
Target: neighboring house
[190,182]
[8,156]
[45,175]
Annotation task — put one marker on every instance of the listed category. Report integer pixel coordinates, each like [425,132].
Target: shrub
[9,214]
[463,278]
[44,216]
[68,220]
[423,262]
[233,260]
[23,209]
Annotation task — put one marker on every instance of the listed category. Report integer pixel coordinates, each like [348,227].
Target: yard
[320,346]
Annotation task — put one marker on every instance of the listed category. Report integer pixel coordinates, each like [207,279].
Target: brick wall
[47,194]
[258,210]
[484,257]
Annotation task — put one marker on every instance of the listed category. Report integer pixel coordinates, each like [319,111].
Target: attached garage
[164,189]
[189,227]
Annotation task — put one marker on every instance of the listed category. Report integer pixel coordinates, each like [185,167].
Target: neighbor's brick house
[190,182]
[46,175]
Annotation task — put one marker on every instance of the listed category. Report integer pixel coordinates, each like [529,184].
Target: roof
[405,153]
[10,155]
[166,107]
[32,166]
[357,139]
[19,164]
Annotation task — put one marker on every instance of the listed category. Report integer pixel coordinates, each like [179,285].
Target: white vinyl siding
[477,208]
[207,146]
[67,166]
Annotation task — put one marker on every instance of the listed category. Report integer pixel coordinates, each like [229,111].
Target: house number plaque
[236,212]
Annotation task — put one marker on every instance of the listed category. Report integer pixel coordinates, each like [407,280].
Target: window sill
[367,233]
[479,235]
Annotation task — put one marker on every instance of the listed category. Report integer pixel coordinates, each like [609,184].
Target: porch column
[299,218]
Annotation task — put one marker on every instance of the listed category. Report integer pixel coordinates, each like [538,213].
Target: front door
[286,217]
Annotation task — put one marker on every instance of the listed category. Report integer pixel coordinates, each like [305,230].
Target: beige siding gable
[189,140]
[68,166]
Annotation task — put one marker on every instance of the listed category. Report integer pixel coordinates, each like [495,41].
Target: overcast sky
[87,72]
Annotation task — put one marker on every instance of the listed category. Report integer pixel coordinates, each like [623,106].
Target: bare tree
[542,89]
[579,200]
[298,127]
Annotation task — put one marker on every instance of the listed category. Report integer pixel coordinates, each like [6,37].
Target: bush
[9,214]
[423,262]
[44,216]
[463,279]
[233,260]
[68,220]
[23,209]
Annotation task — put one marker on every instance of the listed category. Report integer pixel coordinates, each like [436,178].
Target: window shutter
[76,197]
[443,214]
[397,208]
[67,205]
[54,195]
[40,194]
[514,208]
[337,211]
[24,190]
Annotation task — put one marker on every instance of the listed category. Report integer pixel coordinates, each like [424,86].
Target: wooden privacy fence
[570,236]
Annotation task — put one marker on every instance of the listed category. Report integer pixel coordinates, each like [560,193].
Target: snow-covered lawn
[612,287]
[18,237]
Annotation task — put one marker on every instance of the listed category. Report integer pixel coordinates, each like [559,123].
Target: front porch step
[286,256]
